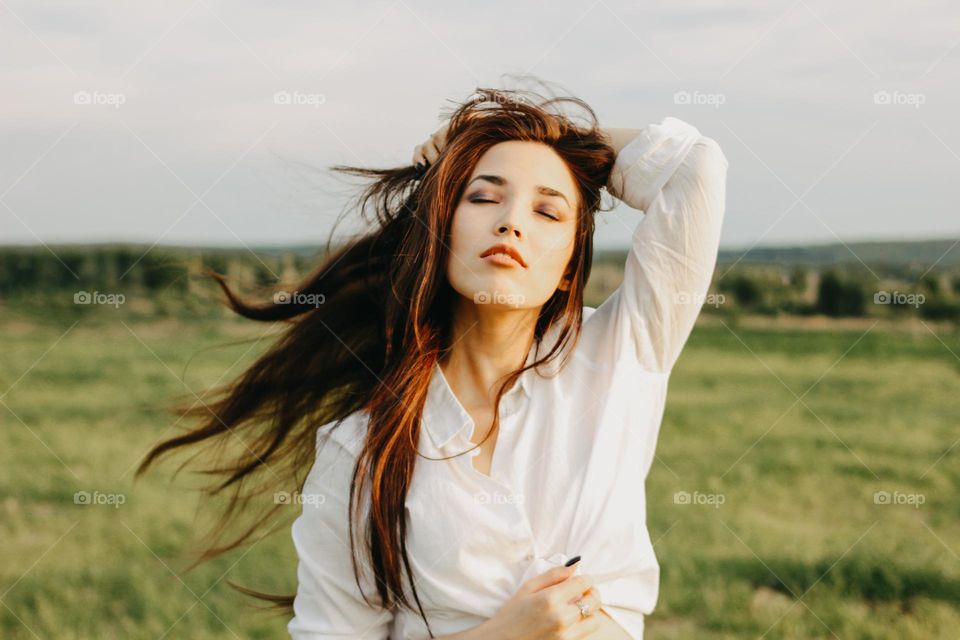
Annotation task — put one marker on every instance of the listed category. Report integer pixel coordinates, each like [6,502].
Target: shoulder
[337,446]
[346,434]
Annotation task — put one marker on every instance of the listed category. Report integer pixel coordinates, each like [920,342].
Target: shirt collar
[444,417]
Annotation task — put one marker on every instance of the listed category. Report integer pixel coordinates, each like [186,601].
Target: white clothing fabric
[574,447]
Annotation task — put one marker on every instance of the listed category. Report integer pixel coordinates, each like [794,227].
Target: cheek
[553,255]
[557,250]
[463,231]
[462,243]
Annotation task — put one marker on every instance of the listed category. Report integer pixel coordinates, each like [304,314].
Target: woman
[470,428]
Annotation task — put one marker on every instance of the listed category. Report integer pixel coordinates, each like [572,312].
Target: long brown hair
[371,345]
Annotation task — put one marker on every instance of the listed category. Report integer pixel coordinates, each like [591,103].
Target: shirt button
[528,557]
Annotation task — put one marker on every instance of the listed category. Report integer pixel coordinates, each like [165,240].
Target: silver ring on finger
[584,608]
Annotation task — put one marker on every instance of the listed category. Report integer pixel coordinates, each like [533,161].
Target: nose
[509,221]
[508,228]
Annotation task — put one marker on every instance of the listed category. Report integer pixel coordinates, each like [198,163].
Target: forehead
[525,165]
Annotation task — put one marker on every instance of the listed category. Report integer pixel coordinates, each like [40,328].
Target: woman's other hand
[544,609]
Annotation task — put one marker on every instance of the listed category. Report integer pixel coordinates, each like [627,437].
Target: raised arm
[678,178]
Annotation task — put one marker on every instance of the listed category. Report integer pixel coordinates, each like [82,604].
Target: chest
[482,419]
[562,475]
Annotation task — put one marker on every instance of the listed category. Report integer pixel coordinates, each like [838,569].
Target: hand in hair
[429,150]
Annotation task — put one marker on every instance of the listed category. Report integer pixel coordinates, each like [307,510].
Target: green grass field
[780,439]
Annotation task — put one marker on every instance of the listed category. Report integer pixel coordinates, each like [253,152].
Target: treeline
[142,279]
[137,268]
[841,291]
[167,280]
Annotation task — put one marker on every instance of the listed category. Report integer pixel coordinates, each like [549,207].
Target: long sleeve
[328,604]
[678,178]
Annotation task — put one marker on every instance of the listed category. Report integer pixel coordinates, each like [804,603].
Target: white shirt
[573,449]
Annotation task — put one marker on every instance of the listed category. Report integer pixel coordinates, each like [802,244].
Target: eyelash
[544,213]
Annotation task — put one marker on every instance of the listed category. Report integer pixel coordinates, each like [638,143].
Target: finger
[593,599]
[547,579]
[430,151]
[583,628]
[579,626]
[571,588]
[440,136]
[417,154]
[596,598]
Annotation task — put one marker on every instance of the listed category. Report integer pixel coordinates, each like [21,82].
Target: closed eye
[552,217]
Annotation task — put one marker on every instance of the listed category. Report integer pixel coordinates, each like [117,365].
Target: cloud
[177,101]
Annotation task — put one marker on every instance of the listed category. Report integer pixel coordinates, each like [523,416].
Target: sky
[158,122]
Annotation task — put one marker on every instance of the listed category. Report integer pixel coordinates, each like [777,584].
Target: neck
[487,343]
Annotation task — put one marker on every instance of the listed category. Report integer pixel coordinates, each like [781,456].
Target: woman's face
[520,194]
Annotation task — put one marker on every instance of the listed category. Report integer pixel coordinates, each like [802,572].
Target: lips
[505,249]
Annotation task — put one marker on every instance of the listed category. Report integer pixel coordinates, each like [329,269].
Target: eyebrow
[501,181]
